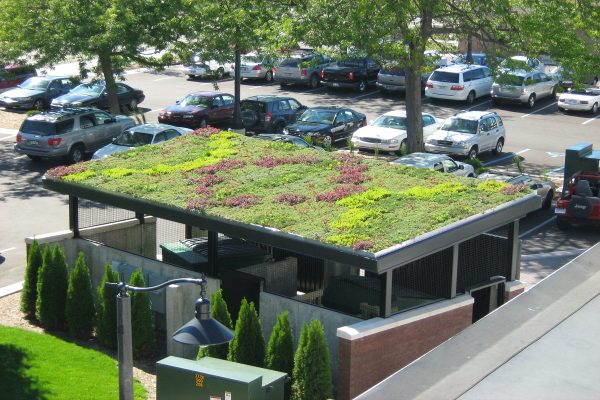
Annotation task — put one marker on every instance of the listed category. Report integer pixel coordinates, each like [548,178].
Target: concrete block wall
[372,350]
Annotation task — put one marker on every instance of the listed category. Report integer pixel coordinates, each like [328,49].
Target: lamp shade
[203,330]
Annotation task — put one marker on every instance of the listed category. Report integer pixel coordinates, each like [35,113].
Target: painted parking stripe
[523,151]
[162,79]
[476,105]
[508,156]
[535,228]
[364,95]
[590,120]
[558,253]
[539,109]
[19,157]
[9,249]
[8,137]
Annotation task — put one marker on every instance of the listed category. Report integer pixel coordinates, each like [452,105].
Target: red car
[580,203]
[196,110]
[13,75]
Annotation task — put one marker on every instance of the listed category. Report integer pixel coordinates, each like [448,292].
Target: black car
[95,94]
[327,125]
[355,74]
[36,92]
[295,140]
[267,113]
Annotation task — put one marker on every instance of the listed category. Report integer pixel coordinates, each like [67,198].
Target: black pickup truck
[355,74]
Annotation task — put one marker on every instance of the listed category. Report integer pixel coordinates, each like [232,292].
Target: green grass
[416,201]
[41,366]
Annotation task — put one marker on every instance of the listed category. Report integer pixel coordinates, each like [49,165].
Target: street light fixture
[200,331]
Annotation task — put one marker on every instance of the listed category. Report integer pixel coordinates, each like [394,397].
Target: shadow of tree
[15,381]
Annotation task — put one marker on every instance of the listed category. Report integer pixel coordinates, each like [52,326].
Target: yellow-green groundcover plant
[337,198]
[41,366]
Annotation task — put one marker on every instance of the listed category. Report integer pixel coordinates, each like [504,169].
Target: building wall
[370,351]
[513,289]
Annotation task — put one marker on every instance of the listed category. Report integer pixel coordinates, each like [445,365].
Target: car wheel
[133,104]
[471,97]
[403,149]
[531,101]
[495,102]
[362,86]
[34,158]
[499,146]
[192,76]
[202,123]
[562,110]
[282,85]
[594,109]
[38,104]
[327,141]
[473,153]
[553,93]
[269,76]
[548,200]
[470,176]
[75,154]
[314,81]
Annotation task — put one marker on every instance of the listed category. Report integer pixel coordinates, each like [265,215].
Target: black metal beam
[213,253]
[74,215]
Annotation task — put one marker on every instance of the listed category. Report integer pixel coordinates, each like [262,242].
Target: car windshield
[253,105]
[512,80]
[132,138]
[251,59]
[460,125]
[442,76]
[318,116]
[350,63]
[390,121]
[89,89]
[35,83]
[586,92]
[198,101]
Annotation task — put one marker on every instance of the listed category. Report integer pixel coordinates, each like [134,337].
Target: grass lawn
[40,366]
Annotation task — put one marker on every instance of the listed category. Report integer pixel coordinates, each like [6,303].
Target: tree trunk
[237,114]
[111,89]
[414,121]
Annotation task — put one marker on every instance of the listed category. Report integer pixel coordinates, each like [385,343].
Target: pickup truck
[355,74]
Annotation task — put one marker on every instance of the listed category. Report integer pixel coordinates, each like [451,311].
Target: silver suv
[468,134]
[304,70]
[69,132]
[523,87]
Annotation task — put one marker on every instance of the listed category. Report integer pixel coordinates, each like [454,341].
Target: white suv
[459,82]
[468,134]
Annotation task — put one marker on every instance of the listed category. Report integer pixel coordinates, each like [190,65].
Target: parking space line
[477,105]
[8,137]
[162,79]
[590,120]
[540,109]
[364,95]
[258,87]
[19,157]
[523,151]
[492,162]
[535,228]
[9,249]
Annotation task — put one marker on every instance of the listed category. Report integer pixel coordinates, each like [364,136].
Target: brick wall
[370,358]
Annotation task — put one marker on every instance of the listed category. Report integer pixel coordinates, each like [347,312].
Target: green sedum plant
[248,344]
[80,310]
[29,291]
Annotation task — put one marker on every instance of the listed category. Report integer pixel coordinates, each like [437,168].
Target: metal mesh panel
[481,258]
[91,214]
[431,276]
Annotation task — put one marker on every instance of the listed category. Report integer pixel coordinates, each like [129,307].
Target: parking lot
[539,136]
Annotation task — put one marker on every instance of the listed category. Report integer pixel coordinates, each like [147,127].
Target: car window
[443,76]
[486,72]
[86,121]
[227,99]
[290,62]
[284,105]
[63,127]
[450,165]
[339,118]
[498,120]
[55,85]
[160,137]
[478,73]
[438,167]
[171,133]
[122,89]
[467,76]
[101,117]
[66,82]
[529,81]
[253,105]
[428,120]
[294,105]
[217,102]
[349,115]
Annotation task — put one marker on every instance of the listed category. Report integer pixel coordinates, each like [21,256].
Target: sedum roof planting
[335,198]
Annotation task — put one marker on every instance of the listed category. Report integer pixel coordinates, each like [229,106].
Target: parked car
[140,135]
[303,70]
[69,133]
[36,92]
[459,82]
[523,63]
[13,75]
[580,100]
[295,140]
[544,189]
[198,68]
[355,74]
[267,113]
[580,201]
[392,79]
[436,162]
[95,94]
[198,109]
[327,125]
[257,66]
[523,87]
[478,59]
[388,131]
[469,134]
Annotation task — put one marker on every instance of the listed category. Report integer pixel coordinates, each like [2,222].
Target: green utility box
[214,379]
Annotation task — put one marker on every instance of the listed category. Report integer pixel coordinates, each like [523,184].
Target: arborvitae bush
[312,372]
[52,286]
[107,309]
[219,312]
[29,291]
[248,345]
[280,349]
[80,311]
[142,329]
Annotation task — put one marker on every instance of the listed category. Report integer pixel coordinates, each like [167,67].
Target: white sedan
[388,131]
[580,100]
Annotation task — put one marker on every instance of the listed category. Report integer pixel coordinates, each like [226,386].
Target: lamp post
[201,330]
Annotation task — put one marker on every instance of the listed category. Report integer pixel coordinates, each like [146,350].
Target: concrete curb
[8,131]
[11,289]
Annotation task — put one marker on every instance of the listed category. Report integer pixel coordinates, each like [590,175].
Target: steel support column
[454,278]
[125,349]
[74,215]
[385,300]
[188,231]
[213,253]
[513,250]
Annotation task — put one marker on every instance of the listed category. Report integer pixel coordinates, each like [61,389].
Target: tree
[114,32]
[280,349]
[107,309]
[142,329]
[248,344]
[29,292]
[312,371]
[220,313]
[80,311]
[52,288]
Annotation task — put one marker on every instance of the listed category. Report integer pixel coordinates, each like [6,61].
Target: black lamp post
[200,331]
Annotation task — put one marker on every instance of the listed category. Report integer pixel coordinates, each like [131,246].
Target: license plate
[570,101]
[560,211]
[335,84]
[33,142]
[442,86]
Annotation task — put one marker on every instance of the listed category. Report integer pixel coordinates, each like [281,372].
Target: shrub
[107,309]
[141,319]
[80,310]
[29,291]
[248,345]
[312,372]
[280,349]
[477,165]
[52,286]
[219,312]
